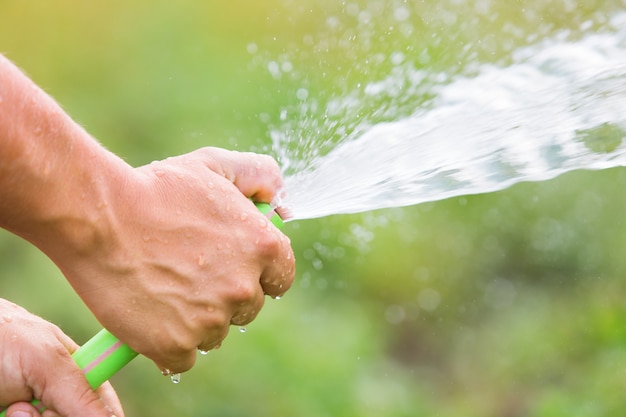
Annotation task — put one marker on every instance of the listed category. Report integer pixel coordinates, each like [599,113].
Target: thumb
[22,409]
[79,401]
[66,392]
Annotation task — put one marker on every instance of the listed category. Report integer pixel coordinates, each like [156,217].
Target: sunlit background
[505,304]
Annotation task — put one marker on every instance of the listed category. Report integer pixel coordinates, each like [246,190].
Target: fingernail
[20,413]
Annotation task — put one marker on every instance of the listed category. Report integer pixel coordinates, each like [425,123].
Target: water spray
[104,355]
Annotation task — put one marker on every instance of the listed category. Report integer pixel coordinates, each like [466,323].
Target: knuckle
[176,364]
[88,400]
[180,345]
[271,164]
[215,335]
[249,314]
[245,317]
[246,292]
[215,322]
[174,354]
[269,245]
[57,354]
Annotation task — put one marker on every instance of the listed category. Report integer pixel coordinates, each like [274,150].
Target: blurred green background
[505,304]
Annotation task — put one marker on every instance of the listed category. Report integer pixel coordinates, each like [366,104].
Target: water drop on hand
[175,378]
[242,329]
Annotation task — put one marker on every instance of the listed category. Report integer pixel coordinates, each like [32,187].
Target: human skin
[50,375]
[167,256]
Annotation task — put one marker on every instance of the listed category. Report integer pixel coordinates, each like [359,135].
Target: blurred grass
[505,304]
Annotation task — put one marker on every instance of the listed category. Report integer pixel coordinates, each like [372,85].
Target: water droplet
[201,260]
[175,378]
[203,352]
[278,297]
[166,372]
[159,173]
[243,216]
[37,131]
[7,319]
[242,329]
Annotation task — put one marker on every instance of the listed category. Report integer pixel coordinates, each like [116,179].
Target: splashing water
[560,106]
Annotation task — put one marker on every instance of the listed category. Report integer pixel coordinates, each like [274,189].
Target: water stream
[560,105]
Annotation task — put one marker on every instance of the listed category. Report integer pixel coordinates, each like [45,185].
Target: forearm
[55,180]
[167,255]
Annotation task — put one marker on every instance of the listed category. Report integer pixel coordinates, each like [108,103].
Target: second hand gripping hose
[104,355]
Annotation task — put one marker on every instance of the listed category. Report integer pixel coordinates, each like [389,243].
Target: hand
[36,363]
[187,254]
[166,256]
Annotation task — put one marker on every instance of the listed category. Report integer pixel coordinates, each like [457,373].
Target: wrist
[63,202]
[78,219]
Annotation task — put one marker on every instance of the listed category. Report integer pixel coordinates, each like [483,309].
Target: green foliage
[505,304]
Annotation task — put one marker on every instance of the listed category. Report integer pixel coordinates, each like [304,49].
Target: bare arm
[167,255]
[55,179]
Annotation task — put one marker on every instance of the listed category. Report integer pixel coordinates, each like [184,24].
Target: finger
[214,341]
[280,270]
[251,305]
[110,398]
[65,340]
[105,391]
[62,388]
[176,361]
[256,176]
[22,409]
